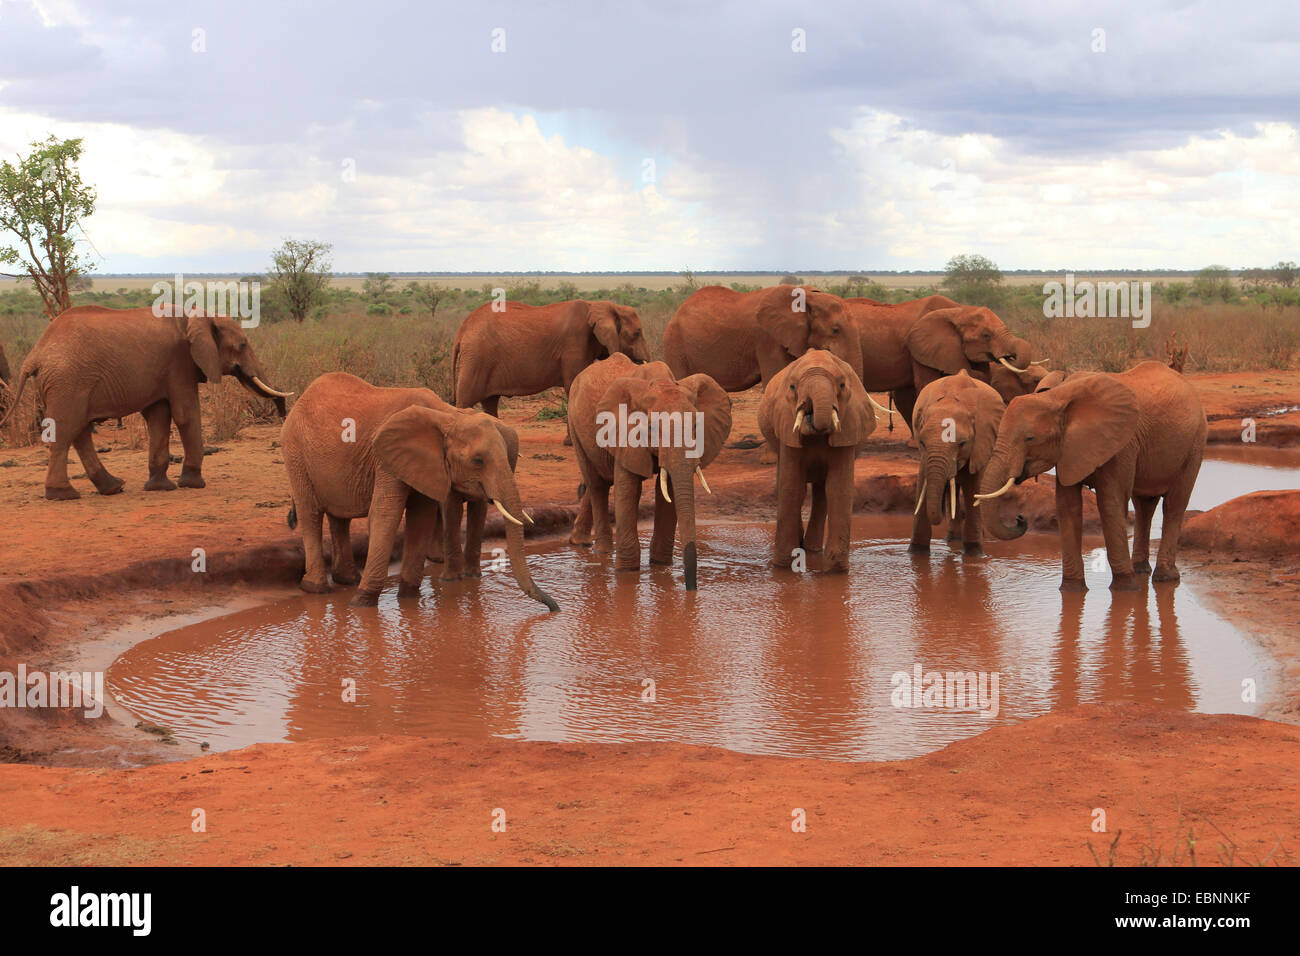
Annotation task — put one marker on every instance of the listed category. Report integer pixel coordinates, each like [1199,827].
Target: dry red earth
[1017,795]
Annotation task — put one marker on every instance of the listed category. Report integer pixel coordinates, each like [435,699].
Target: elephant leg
[387,503]
[971,531]
[435,539]
[665,529]
[421,515]
[582,522]
[1069,518]
[453,568]
[343,567]
[104,483]
[627,498]
[475,519]
[314,579]
[57,486]
[837,491]
[492,405]
[598,499]
[1174,507]
[815,534]
[790,488]
[1112,502]
[1144,509]
[904,402]
[158,419]
[191,430]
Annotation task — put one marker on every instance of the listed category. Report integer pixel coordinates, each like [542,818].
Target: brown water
[757,660]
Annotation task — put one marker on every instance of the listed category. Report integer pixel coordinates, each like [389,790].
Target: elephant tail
[28,370]
[291,519]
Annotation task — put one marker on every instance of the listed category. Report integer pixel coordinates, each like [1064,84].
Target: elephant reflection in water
[1130,666]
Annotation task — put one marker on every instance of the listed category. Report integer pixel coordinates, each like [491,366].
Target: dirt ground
[1017,795]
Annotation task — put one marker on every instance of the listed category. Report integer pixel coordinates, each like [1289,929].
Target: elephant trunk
[682,473]
[819,391]
[512,503]
[939,467]
[998,473]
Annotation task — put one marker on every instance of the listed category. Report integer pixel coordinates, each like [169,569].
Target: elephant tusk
[506,514]
[529,518]
[997,494]
[835,420]
[920,500]
[663,484]
[703,481]
[798,419]
[269,390]
[952,497]
[1018,371]
[1043,362]
[878,407]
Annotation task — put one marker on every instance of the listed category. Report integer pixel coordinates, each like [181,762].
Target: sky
[664,134]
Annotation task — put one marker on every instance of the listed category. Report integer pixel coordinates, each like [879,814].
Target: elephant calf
[92,364]
[1136,435]
[956,426]
[629,423]
[354,450]
[816,413]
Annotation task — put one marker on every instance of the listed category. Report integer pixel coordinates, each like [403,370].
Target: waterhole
[756,660]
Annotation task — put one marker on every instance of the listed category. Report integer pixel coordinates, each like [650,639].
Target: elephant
[1136,435]
[907,346]
[817,413]
[1020,376]
[686,423]
[352,449]
[5,376]
[93,363]
[524,349]
[741,339]
[956,425]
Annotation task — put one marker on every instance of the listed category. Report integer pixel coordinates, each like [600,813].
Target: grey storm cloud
[713,84]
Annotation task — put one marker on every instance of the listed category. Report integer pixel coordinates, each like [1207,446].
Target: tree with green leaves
[969,270]
[377,285]
[44,202]
[427,294]
[300,271]
[1286,273]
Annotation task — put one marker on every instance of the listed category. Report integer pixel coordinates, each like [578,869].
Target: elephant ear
[1101,417]
[935,341]
[710,398]
[776,412]
[628,392]
[511,438]
[859,418]
[412,445]
[604,322]
[777,317]
[202,336]
[988,418]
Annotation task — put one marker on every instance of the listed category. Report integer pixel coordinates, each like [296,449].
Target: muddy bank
[1022,795]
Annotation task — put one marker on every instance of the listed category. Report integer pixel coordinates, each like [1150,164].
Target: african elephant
[92,364]
[956,424]
[1020,375]
[816,412]
[907,346]
[630,423]
[5,377]
[740,339]
[526,349]
[352,450]
[1136,435]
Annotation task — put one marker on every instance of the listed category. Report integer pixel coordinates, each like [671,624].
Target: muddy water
[757,660]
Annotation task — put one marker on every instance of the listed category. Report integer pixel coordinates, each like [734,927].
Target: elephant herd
[985,416]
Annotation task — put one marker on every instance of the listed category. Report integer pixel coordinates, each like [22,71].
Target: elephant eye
[478,460]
